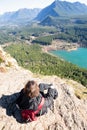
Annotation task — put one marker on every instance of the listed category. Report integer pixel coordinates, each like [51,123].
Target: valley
[28,40]
[24,39]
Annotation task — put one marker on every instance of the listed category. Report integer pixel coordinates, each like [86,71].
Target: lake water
[78,57]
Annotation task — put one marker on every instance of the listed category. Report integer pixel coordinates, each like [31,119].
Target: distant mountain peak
[21,15]
[62,8]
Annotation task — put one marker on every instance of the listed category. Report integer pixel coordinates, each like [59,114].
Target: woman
[33,101]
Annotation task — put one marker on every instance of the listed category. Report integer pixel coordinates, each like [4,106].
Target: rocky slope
[69,112]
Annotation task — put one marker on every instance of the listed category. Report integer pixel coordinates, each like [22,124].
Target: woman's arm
[43,86]
[20,97]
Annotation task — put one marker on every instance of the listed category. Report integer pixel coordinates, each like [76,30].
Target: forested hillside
[32,58]
[70,29]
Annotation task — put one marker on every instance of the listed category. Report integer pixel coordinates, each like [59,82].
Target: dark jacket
[25,102]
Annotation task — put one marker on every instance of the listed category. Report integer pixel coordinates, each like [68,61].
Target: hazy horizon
[14,5]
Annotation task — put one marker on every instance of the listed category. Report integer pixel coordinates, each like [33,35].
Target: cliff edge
[69,112]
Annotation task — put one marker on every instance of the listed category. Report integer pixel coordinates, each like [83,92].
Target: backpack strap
[30,115]
[40,106]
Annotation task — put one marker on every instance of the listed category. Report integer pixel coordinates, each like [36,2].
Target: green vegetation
[1,60]
[16,34]
[45,40]
[69,29]
[4,38]
[76,33]
[32,58]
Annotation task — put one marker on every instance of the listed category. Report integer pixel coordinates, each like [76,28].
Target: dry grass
[80,90]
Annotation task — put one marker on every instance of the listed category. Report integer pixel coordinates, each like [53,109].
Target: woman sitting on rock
[33,101]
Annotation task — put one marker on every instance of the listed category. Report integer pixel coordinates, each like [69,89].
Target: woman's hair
[31,89]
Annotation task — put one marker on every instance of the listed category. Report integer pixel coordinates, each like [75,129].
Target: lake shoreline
[77,57]
[60,45]
[66,50]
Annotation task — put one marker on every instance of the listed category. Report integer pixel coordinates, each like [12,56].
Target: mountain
[62,8]
[68,112]
[20,16]
[56,9]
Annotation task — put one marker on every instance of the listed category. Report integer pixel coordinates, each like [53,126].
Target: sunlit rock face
[6,61]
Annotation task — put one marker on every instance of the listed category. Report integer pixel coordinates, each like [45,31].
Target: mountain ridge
[62,8]
[56,9]
[19,15]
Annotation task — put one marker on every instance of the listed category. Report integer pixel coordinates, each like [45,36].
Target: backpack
[30,115]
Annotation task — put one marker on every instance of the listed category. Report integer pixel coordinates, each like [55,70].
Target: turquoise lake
[78,57]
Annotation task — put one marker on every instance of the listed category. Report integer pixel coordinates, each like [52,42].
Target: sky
[13,5]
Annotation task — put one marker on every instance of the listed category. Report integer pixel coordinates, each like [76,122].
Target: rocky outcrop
[68,113]
[6,61]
